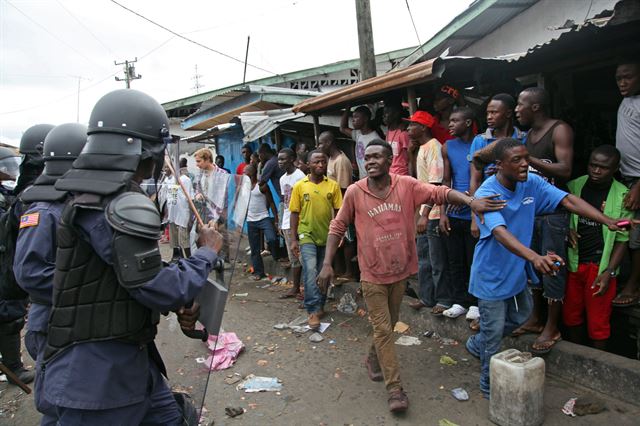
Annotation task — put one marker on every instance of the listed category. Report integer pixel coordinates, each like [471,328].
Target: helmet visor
[10,167]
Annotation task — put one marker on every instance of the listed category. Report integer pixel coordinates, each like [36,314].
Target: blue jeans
[460,246]
[498,318]
[426,286]
[550,233]
[438,260]
[253,230]
[311,257]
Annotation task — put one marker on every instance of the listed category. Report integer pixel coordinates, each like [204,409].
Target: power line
[414,24]
[51,34]
[190,40]
[84,26]
[82,89]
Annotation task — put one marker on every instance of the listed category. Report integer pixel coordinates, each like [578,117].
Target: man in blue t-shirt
[502,259]
[455,225]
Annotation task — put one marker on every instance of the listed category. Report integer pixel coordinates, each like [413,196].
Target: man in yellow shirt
[314,202]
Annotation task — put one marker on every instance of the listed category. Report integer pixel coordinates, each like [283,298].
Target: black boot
[187,252]
[10,349]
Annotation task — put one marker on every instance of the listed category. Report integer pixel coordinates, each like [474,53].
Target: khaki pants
[383,302]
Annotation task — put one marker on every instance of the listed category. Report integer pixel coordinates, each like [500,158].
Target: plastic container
[517,389]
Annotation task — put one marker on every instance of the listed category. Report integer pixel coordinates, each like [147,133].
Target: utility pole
[246,56]
[196,79]
[129,72]
[365,40]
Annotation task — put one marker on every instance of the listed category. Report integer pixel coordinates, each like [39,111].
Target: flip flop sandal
[521,331]
[548,345]
[288,295]
[438,310]
[257,277]
[632,301]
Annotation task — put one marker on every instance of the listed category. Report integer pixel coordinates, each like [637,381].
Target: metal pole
[316,128]
[126,74]
[411,98]
[365,40]
[246,57]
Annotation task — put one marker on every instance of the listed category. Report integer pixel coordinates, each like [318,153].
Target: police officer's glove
[187,317]
[209,237]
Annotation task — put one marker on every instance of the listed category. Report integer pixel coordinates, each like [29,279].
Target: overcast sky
[47,46]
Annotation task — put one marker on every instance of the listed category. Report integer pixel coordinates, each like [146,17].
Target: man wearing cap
[425,163]
[443,103]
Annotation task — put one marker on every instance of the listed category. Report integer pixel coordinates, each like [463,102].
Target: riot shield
[195,359]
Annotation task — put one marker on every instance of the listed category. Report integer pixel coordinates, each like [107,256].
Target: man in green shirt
[595,252]
[314,202]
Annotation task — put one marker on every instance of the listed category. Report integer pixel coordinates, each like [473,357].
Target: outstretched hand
[490,203]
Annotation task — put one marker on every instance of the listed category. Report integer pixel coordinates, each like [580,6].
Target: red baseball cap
[422,117]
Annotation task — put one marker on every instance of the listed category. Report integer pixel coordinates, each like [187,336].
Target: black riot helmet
[9,164]
[126,127]
[61,147]
[33,139]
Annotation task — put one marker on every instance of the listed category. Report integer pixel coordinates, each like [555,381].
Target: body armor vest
[89,304]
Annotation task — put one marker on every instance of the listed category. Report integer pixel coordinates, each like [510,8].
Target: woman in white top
[258,220]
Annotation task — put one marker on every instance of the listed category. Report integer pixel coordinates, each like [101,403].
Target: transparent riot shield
[195,359]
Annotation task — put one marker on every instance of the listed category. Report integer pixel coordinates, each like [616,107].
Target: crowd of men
[491,223]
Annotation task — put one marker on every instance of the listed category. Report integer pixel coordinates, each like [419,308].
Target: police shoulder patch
[31,219]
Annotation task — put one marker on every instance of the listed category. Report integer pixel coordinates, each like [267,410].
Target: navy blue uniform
[114,382]
[34,266]
[11,310]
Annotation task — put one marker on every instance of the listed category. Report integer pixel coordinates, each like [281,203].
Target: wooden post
[411,98]
[365,40]
[316,128]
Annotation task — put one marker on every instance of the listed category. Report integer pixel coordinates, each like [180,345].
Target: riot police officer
[13,301]
[35,255]
[100,363]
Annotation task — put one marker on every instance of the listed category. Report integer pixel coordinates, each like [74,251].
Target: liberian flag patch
[27,220]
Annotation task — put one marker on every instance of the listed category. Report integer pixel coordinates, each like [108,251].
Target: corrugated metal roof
[257,124]
[606,32]
[284,78]
[225,106]
[375,88]
[481,18]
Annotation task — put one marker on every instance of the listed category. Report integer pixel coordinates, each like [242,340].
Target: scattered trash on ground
[233,411]
[316,337]
[445,422]
[264,349]
[332,342]
[401,327]
[253,383]
[408,341]
[583,406]
[568,407]
[240,294]
[460,394]
[232,379]
[262,362]
[322,329]
[361,312]
[445,341]
[226,352]
[447,360]
[347,304]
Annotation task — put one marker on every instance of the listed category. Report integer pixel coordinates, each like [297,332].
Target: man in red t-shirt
[246,156]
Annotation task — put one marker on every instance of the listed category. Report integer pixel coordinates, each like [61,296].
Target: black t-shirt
[591,242]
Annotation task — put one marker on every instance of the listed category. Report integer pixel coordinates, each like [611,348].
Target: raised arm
[344,123]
